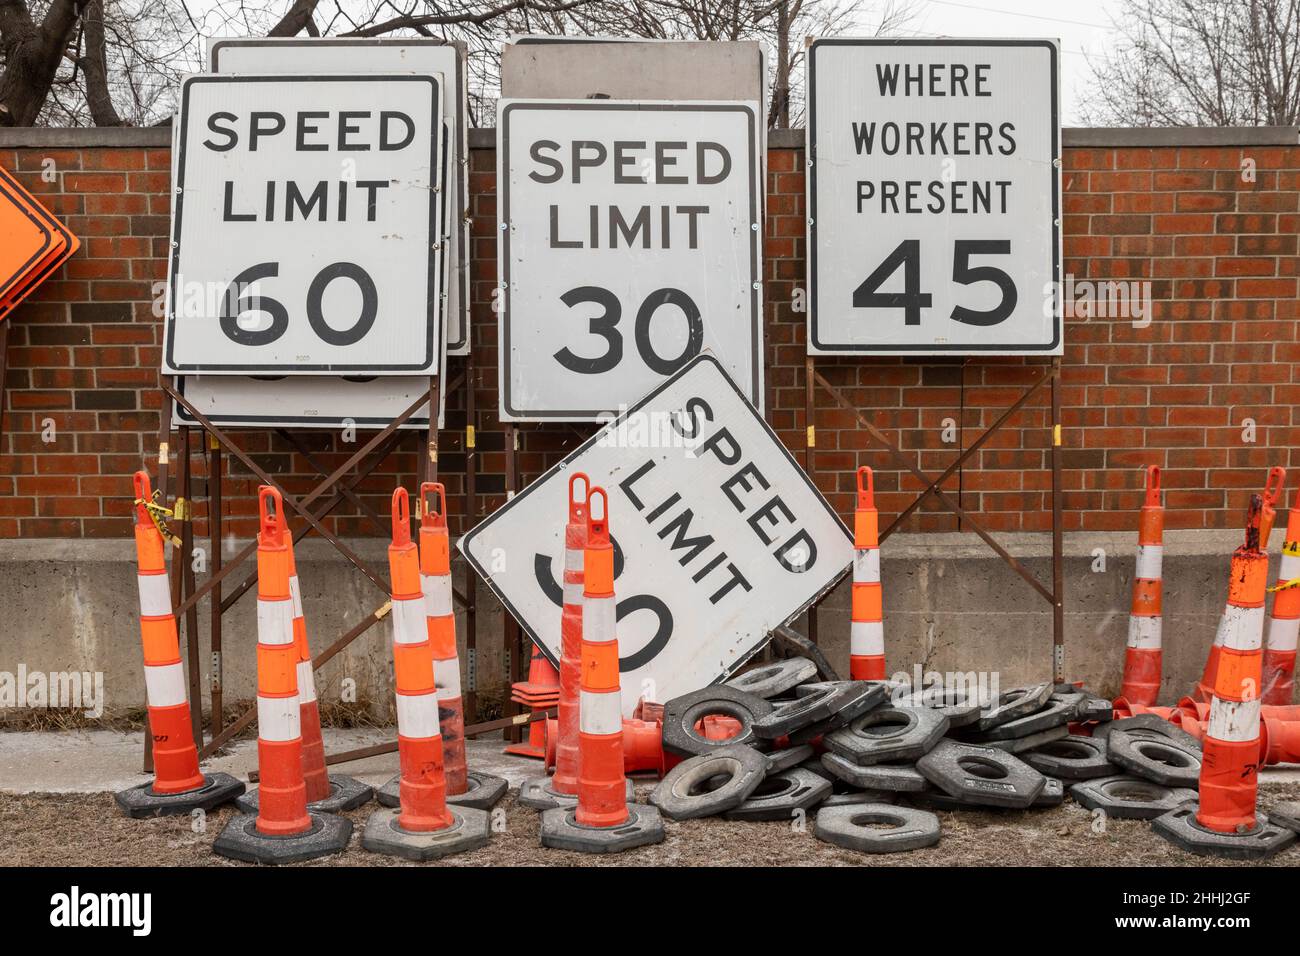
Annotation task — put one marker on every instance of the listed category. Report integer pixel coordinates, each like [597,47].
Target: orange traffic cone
[1272,489]
[1224,822]
[423,826]
[465,787]
[540,692]
[1142,657]
[867,639]
[603,821]
[178,785]
[329,793]
[1284,622]
[282,830]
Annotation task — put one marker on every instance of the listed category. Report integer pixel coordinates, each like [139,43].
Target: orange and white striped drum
[175,758]
[867,635]
[565,779]
[423,788]
[1230,759]
[1284,622]
[440,617]
[1143,657]
[282,793]
[602,798]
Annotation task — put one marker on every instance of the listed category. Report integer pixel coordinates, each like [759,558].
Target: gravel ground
[88,830]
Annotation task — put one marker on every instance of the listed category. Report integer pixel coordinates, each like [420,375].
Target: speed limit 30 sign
[933,197]
[629,244]
[306,225]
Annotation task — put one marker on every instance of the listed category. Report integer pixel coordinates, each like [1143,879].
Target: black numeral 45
[907,255]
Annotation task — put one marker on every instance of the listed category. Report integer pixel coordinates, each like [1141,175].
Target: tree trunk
[94,65]
[33,55]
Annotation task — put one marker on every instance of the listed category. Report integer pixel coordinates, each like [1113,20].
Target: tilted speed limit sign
[933,197]
[629,243]
[719,536]
[306,225]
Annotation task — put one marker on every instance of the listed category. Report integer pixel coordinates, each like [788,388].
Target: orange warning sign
[33,244]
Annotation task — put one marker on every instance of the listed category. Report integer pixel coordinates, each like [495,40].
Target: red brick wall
[1219,250]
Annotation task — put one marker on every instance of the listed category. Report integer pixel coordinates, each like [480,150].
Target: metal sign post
[720,537]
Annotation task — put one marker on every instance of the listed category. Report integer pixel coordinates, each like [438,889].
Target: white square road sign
[629,242]
[934,197]
[719,536]
[306,226]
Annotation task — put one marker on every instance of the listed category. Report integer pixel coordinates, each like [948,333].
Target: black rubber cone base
[540,794]
[562,831]
[482,793]
[241,841]
[469,830]
[345,794]
[1181,828]
[140,802]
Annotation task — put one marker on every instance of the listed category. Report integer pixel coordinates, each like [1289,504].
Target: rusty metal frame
[1055,595]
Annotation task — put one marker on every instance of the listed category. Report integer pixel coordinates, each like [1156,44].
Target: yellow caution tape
[182,511]
[1285,585]
[382,612]
[158,514]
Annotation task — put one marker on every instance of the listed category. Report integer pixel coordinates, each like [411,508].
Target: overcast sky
[1083,27]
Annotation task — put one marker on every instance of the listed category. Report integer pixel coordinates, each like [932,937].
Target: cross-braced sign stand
[1051,376]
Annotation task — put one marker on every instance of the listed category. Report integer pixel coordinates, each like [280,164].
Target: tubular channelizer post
[433,517]
[1254,515]
[867,488]
[578,502]
[270,513]
[1272,494]
[597,528]
[401,517]
[1153,487]
[143,494]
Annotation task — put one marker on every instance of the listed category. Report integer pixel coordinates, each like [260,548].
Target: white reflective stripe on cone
[1282,633]
[437,594]
[164,684]
[600,712]
[598,618]
[1144,632]
[409,626]
[866,638]
[573,559]
[1150,557]
[295,595]
[1243,628]
[446,678]
[1289,567]
[1218,631]
[278,719]
[306,682]
[417,716]
[573,593]
[866,566]
[274,622]
[155,595]
[1233,722]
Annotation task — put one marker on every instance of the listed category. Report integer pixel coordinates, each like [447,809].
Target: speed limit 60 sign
[306,225]
[719,536]
[629,243]
[933,197]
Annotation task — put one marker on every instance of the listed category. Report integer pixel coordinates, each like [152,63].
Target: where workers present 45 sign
[933,197]
[306,225]
[719,536]
[629,244]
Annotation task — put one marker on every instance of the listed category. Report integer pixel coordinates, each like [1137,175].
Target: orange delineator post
[1230,748]
[565,779]
[435,582]
[175,758]
[1284,622]
[602,788]
[282,792]
[423,788]
[1272,489]
[540,692]
[867,637]
[1143,655]
[315,775]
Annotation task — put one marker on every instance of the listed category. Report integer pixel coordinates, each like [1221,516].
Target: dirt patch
[89,830]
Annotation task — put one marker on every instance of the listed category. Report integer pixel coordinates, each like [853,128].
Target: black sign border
[435,224]
[831,349]
[754,172]
[463,545]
